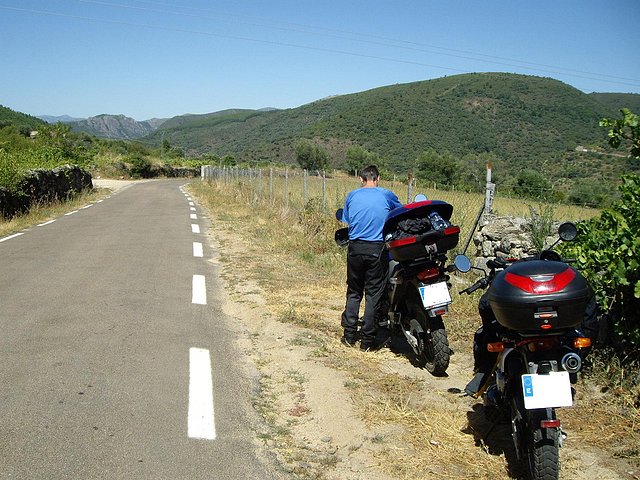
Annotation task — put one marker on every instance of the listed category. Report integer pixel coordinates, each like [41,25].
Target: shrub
[10,171]
[608,253]
[140,167]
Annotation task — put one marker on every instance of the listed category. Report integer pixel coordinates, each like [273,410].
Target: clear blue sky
[161,58]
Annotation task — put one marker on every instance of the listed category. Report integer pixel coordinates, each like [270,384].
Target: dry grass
[307,288]
[42,213]
[439,434]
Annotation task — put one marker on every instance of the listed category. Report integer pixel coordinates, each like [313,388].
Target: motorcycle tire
[543,453]
[436,352]
[433,345]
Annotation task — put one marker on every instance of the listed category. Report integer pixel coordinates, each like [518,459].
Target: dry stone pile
[507,237]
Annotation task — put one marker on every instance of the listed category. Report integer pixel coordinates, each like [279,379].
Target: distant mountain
[619,100]
[115,127]
[61,118]
[517,121]
[207,119]
[516,117]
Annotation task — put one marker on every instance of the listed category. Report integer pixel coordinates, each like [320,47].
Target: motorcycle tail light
[452,230]
[581,342]
[495,347]
[542,283]
[546,326]
[401,242]
[550,423]
[428,274]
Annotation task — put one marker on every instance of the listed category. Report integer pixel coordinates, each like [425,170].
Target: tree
[532,184]
[359,158]
[440,169]
[311,156]
[625,128]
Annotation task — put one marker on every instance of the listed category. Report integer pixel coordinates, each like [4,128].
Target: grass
[42,213]
[438,435]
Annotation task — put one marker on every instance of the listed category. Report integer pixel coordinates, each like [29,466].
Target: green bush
[608,253]
[10,171]
[140,166]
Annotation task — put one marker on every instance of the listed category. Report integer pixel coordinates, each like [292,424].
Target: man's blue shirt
[365,211]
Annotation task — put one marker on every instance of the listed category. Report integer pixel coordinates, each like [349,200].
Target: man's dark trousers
[365,275]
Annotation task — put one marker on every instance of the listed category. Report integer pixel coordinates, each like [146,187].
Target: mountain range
[522,121]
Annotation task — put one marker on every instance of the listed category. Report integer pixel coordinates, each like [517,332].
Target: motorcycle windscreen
[546,391]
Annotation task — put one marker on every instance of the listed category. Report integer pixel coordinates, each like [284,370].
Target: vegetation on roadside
[423,438]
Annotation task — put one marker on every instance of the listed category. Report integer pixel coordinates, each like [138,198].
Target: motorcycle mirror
[567,231]
[419,198]
[462,263]
[339,214]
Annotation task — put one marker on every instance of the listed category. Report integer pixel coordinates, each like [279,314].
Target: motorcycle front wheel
[433,345]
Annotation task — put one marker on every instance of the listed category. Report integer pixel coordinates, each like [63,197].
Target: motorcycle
[417,237]
[537,305]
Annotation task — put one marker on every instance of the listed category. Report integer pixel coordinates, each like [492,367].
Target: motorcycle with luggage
[417,238]
[532,336]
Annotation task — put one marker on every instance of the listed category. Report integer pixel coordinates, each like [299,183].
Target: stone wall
[44,186]
[506,237]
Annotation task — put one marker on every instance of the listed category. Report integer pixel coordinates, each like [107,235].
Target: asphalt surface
[97,323]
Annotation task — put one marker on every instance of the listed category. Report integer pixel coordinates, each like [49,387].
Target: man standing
[365,211]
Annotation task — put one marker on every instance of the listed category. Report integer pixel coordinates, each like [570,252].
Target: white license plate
[547,391]
[435,295]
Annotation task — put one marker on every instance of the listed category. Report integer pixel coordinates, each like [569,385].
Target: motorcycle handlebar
[482,283]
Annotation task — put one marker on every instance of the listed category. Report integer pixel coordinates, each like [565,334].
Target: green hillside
[21,121]
[207,119]
[524,121]
[616,101]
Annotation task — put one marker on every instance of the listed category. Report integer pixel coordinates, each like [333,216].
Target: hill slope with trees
[515,121]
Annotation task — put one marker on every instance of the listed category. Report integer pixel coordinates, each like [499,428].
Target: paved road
[108,327]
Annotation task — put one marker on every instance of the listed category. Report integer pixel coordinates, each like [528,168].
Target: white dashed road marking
[195,228]
[200,417]
[199,290]
[197,249]
[194,216]
[70,213]
[10,237]
[46,223]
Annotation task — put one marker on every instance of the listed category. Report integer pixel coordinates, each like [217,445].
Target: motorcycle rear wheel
[433,345]
[541,448]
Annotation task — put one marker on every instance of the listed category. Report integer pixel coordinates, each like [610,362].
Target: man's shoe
[373,347]
[348,342]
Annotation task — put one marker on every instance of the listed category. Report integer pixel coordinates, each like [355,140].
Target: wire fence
[295,190]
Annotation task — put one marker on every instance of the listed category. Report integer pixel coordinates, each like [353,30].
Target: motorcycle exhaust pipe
[571,362]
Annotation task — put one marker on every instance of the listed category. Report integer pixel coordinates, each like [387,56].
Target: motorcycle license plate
[547,391]
[435,295]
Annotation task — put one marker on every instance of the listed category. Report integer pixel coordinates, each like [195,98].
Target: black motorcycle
[534,343]
[417,237]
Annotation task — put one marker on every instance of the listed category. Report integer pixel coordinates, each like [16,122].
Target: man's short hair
[369,173]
